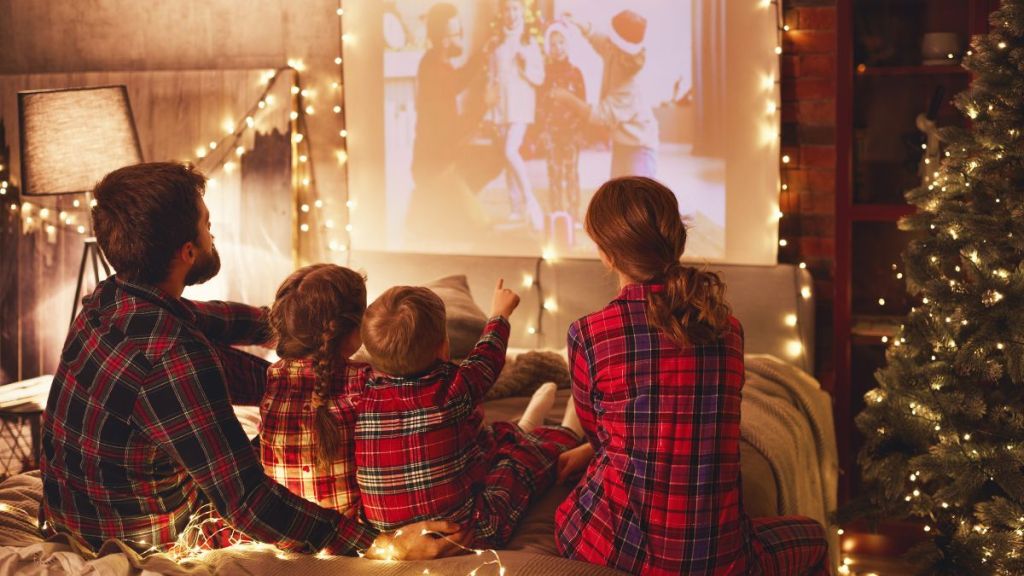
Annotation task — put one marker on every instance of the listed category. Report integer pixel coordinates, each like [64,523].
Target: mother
[657,376]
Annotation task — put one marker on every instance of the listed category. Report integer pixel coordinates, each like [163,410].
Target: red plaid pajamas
[287,443]
[663,494]
[423,453]
[139,432]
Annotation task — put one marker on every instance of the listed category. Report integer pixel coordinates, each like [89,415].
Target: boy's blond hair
[404,329]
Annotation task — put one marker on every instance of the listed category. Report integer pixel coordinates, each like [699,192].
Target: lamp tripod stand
[90,252]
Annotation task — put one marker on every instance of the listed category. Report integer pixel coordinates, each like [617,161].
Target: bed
[788,453]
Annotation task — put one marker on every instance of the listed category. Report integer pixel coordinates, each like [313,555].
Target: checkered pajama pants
[789,546]
[524,465]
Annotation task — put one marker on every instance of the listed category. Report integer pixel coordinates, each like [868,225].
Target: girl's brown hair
[635,221]
[314,311]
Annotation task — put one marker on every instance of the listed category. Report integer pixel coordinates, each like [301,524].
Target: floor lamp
[71,139]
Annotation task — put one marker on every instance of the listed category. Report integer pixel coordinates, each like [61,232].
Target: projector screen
[485,126]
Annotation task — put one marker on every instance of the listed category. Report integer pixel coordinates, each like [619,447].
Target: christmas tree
[945,427]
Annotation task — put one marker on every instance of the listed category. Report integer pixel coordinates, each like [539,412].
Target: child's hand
[504,301]
[569,18]
[573,463]
[420,541]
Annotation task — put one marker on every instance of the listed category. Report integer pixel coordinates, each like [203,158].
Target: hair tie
[673,268]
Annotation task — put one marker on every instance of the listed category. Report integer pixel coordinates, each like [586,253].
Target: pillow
[466,321]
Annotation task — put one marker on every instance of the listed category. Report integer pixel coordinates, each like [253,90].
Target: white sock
[540,404]
[571,420]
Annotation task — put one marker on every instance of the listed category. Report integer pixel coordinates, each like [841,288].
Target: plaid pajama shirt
[423,453]
[663,494]
[139,432]
[287,444]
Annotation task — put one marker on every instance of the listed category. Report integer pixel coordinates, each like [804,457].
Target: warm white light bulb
[794,348]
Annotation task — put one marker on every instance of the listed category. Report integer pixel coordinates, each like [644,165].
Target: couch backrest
[774,303]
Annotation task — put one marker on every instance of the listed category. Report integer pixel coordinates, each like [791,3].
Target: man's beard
[206,267]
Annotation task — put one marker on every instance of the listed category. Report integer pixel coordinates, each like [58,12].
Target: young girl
[656,378]
[516,71]
[309,407]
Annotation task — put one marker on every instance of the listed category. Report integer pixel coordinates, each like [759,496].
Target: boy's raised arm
[479,371]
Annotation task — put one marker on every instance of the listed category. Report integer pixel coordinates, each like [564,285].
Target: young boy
[562,124]
[422,450]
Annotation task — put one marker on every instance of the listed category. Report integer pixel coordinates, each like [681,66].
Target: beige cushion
[466,321]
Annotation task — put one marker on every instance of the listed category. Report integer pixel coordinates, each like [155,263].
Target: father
[139,431]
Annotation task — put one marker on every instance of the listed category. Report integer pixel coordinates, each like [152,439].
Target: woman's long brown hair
[314,311]
[635,221]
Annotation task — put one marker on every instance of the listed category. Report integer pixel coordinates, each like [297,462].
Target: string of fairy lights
[787,198]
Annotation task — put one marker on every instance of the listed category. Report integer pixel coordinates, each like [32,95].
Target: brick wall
[808,87]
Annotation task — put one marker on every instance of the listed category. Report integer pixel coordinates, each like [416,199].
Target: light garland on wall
[345,245]
[773,107]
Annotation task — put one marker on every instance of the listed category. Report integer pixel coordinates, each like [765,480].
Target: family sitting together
[392,458]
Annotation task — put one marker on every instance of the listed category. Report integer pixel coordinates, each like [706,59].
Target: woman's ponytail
[692,307]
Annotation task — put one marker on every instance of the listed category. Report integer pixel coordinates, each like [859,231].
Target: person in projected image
[443,132]
[139,433]
[560,122]
[515,72]
[622,107]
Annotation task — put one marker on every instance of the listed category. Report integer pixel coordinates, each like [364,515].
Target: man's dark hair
[144,214]
[437,22]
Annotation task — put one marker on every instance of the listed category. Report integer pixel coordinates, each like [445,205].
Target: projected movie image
[502,117]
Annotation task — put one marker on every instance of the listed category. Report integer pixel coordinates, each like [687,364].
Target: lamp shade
[71,139]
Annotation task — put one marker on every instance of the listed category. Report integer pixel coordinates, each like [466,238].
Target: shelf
[869,330]
[880,212]
[944,70]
